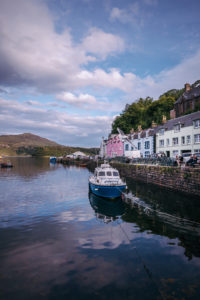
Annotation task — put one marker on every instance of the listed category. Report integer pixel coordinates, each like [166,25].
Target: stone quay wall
[186,180]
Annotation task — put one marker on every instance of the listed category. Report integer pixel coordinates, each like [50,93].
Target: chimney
[139,128]
[172,114]
[187,87]
[153,124]
[132,131]
[164,119]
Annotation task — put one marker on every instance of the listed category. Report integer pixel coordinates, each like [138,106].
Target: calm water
[60,242]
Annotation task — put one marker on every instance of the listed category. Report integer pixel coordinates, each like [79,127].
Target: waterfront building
[114,146]
[79,154]
[143,140]
[179,135]
[188,101]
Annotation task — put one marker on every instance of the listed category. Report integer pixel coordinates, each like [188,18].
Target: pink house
[114,146]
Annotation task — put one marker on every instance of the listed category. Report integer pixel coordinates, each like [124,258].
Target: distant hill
[25,139]
[30,144]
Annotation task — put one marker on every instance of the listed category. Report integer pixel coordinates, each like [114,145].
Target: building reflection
[164,213]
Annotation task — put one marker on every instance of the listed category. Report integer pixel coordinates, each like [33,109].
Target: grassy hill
[30,144]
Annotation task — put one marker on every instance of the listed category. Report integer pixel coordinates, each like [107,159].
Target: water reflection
[55,243]
[106,209]
[171,202]
[152,219]
[28,167]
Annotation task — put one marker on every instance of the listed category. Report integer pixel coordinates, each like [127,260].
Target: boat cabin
[106,171]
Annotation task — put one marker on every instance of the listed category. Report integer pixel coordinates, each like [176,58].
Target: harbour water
[58,241]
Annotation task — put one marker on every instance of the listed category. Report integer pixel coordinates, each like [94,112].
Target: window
[146,154]
[197,151]
[161,131]
[161,143]
[127,147]
[147,145]
[175,141]
[139,146]
[197,138]
[115,174]
[131,148]
[188,139]
[177,127]
[109,173]
[197,123]
[101,174]
[168,142]
[183,140]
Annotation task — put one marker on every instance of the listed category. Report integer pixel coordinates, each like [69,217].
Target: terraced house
[142,140]
[179,136]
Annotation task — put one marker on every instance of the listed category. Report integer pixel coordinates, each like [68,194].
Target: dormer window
[161,131]
[197,123]
[177,127]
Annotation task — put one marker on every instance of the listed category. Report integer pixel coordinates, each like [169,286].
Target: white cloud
[34,54]
[128,15]
[82,99]
[88,102]
[102,44]
[62,127]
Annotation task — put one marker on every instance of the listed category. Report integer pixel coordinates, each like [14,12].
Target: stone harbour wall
[186,180]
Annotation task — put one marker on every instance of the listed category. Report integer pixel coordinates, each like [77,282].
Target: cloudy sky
[68,67]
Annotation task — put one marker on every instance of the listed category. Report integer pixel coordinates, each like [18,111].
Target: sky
[69,67]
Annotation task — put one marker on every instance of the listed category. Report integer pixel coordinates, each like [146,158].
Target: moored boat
[52,159]
[106,182]
[6,164]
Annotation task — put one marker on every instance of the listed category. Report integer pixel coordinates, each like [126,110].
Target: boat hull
[107,191]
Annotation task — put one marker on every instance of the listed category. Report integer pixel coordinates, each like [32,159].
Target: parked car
[198,158]
[186,157]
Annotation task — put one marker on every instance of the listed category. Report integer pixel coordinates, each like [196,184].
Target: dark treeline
[54,150]
[144,111]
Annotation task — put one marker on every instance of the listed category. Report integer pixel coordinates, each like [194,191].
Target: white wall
[180,147]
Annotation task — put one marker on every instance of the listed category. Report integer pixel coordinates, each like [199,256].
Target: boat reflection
[105,209]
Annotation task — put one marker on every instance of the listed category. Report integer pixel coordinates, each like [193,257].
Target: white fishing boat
[106,182]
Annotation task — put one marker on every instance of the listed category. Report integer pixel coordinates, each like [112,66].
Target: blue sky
[68,68]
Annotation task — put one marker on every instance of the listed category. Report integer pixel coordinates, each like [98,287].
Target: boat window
[115,174]
[101,174]
[109,173]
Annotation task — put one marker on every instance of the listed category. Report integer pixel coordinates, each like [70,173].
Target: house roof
[193,93]
[144,133]
[186,121]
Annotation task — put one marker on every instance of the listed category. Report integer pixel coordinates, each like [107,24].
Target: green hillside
[30,144]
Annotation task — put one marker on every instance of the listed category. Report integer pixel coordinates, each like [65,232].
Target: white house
[79,154]
[143,141]
[180,135]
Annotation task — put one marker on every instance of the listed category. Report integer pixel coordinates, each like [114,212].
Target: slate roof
[186,121]
[143,133]
[193,93]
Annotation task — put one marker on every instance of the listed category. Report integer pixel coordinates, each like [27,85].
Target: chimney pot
[187,87]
